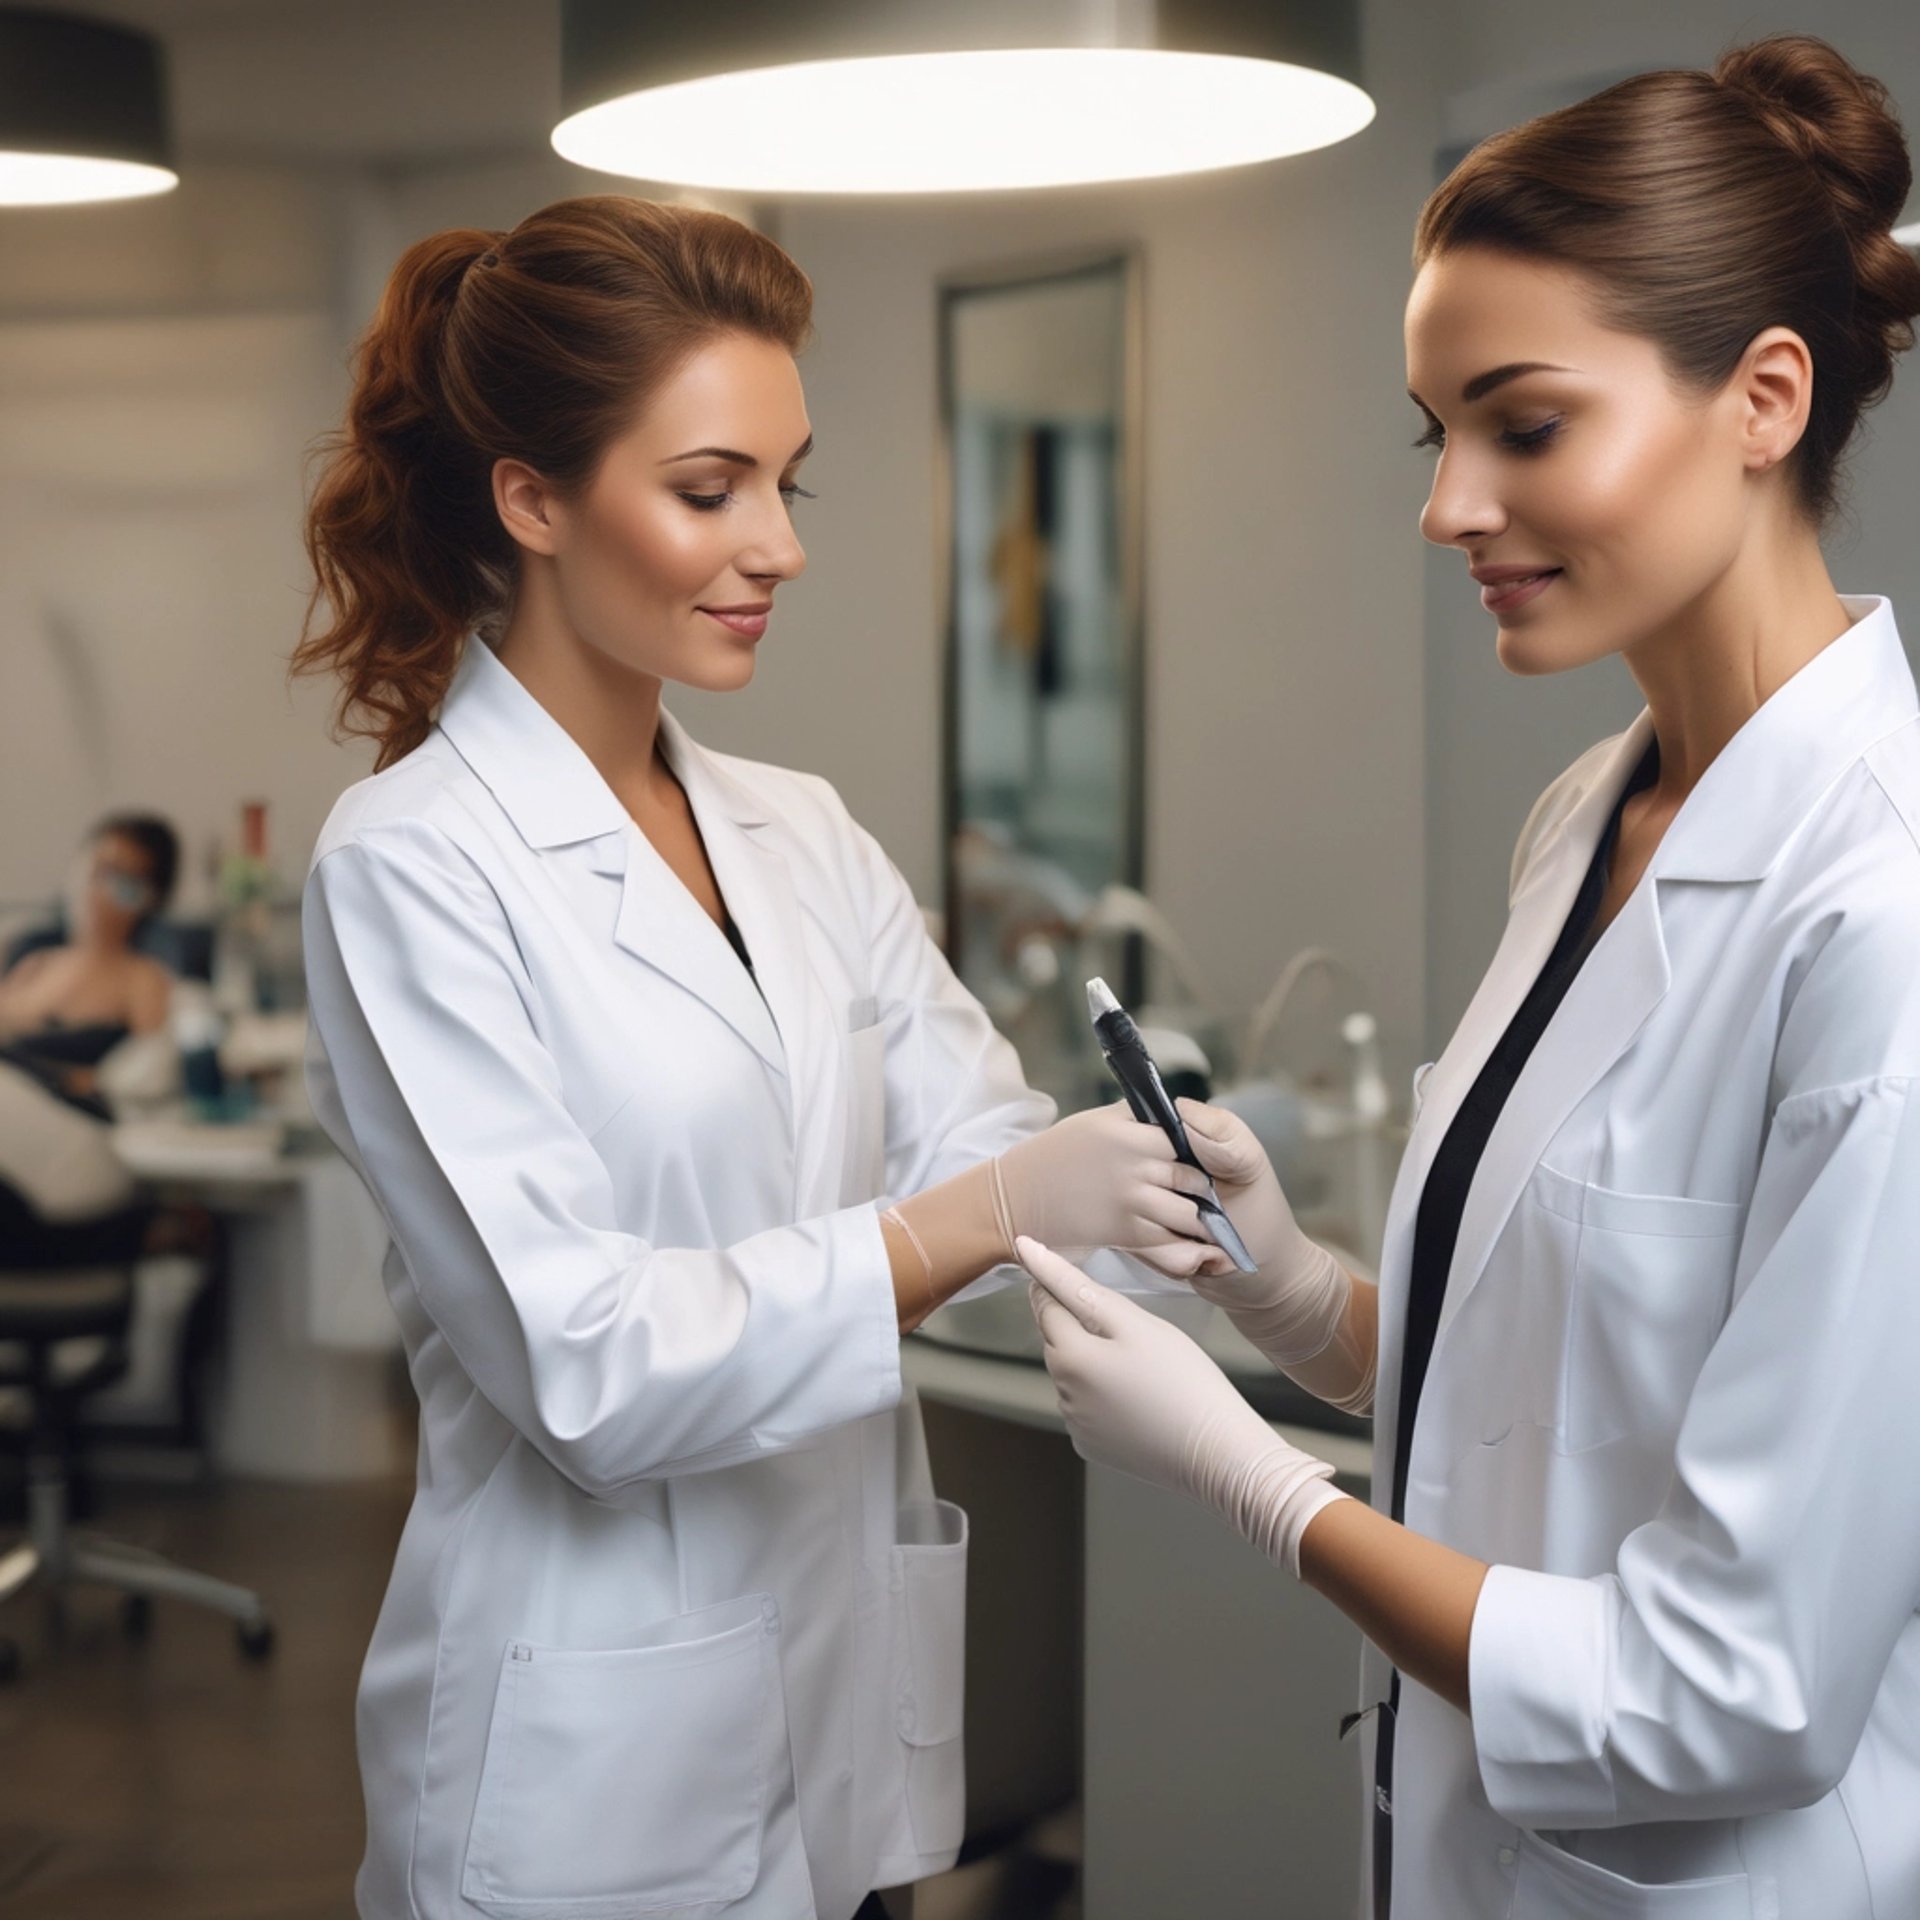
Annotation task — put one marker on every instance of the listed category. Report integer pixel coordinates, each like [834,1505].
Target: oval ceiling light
[83,111]
[930,96]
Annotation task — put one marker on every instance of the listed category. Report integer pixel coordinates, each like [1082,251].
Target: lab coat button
[1507,1856]
[906,1720]
[770,1612]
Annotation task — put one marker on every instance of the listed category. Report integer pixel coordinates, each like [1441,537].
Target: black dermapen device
[1132,1065]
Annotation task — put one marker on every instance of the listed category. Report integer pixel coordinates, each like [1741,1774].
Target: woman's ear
[1775,388]
[528,507]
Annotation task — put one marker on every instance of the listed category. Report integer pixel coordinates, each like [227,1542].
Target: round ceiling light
[83,112]
[1058,94]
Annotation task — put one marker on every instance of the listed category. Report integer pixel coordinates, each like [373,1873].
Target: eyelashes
[713,502]
[1531,441]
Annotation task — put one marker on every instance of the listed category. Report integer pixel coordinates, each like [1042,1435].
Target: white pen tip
[1100,1000]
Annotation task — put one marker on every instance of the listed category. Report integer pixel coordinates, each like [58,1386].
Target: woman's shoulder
[420,792]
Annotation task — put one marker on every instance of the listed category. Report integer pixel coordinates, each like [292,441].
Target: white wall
[163,366]
[1333,754]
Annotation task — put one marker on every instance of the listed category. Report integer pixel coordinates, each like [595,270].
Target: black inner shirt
[1443,1200]
[739,945]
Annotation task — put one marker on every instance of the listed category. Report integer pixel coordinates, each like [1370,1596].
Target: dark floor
[174,1779]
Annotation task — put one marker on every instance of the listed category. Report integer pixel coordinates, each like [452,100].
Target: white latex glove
[1103,1179]
[1139,1396]
[1296,1305]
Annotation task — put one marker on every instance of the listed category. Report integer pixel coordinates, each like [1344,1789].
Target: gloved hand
[1295,1307]
[1103,1179]
[1139,1396]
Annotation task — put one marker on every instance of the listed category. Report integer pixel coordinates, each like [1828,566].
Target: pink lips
[1502,596]
[748,622]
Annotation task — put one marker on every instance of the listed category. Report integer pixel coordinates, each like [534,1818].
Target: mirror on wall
[1040,371]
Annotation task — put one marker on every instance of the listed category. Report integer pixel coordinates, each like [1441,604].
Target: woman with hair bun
[677,1117]
[1641,1576]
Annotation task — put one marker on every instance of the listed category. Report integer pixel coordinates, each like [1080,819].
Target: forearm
[1412,1597]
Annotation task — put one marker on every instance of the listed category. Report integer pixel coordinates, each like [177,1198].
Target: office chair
[43,1313]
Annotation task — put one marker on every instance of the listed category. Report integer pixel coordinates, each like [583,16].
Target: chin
[1530,652]
[726,674]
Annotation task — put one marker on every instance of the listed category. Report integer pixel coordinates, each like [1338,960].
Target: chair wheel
[136,1616]
[255,1637]
[9,1662]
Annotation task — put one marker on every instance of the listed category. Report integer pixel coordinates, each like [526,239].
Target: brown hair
[537,345]
[1710,206]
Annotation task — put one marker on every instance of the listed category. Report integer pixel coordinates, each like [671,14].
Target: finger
[1211,1123]
[1145,1135]
[1069,1287]
[1222,1143]
[1174,1213]
[1048,1314]
[1191,1181]
[1177,1259]
[1173,1260]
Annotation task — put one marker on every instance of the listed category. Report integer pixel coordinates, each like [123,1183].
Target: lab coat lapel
[661,923]
[1611,998]
[757,882]
[1612,995]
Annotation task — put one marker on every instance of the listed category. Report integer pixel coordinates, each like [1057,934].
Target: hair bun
[1839,120]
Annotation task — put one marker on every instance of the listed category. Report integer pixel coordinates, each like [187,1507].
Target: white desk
[1213,1780]
[306,1388]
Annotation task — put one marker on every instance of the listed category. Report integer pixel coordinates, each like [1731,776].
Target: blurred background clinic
[1117,630]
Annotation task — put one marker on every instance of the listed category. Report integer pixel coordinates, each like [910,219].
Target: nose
[1462,507]
[775,553]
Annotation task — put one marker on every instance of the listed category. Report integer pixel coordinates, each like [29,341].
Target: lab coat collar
[555,797]
[539,773]
[1745,807]
[549,789]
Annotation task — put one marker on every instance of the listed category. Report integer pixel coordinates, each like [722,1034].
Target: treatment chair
[69,1327]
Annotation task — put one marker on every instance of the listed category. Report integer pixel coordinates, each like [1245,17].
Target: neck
[1708,671]
[612,712]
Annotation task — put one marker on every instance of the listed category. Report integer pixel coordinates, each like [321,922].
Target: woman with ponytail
[677,1118]
[1641,1573]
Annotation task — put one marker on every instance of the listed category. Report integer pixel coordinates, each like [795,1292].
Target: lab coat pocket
[930,1630]
[1552,1884]
[863,1170]
[632,1780]
[1653,1280]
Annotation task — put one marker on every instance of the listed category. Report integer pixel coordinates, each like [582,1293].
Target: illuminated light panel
[966,122]
[70,179]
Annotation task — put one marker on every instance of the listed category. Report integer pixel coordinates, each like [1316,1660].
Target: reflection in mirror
[1043,760]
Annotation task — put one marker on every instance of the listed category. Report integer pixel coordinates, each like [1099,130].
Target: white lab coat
[1672,1397]
[675,1624]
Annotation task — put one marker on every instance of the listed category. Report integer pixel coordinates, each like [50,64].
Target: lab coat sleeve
[956,1094]
[620,1361]
[1728,1662]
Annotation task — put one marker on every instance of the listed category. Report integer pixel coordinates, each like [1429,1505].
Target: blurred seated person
[64,1008]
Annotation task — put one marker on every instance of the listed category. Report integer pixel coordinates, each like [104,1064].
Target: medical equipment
[1132,1065]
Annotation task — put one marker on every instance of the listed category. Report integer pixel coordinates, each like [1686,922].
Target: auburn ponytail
[539,345]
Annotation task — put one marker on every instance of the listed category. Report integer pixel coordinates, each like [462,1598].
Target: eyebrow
[1483,384]
[735,456]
